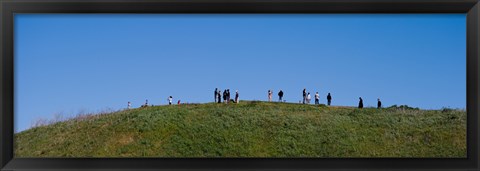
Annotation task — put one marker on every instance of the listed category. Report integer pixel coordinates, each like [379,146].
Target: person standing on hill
[228,95]
[329,99]
[269,95]
[280,95]
[236,96]
[224,96]
[379,103]
[360,103]
[317,98]
[304,95]
[215,95]
[219,96]
[129,105]
[308,98]
[170,100]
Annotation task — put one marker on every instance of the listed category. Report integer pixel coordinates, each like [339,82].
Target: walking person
[317,98]
[236,96]
[215,95]
[329,99]
[269,95]
[280,95]
[219,96]
[129,105]
[379,103]
[170,99]
[304,95]
[308,98]
[360,103]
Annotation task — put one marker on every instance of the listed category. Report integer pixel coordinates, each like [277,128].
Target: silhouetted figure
[219,96]
[379,103]
[329,99]
[129,105]
[236,96]
[269,95]
[225,96]
[360,103]
[304,95]
[215,95]
[228,95]
[317,98]
[170,99]
[308,98]
[146,104]
[280,95]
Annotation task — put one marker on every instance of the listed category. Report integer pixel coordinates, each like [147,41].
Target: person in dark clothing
[280,95]
[225,95]
[304,95]
[329,99]
[228,95]
[360,103]
[219,96]
[236,96]
[215,95]
[379,103]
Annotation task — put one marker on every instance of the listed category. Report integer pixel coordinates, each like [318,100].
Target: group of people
[169,99]
[307,97]
[360,103]
[218,96]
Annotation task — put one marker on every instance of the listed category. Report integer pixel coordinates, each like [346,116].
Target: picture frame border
[8,9]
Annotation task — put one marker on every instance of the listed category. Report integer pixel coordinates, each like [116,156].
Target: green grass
[251,129]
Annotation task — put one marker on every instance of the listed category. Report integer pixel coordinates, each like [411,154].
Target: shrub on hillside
[403,107]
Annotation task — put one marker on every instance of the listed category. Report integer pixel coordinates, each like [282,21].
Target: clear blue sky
[71,63]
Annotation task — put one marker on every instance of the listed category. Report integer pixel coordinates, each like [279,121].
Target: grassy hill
[251,129]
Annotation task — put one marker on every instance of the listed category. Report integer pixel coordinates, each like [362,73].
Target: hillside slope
[251,129]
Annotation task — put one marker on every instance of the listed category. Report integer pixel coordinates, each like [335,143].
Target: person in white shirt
[308,98]
[269,95]
[317,98]
[170,99]
[129,105]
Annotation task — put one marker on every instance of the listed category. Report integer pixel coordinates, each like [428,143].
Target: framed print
[248,85]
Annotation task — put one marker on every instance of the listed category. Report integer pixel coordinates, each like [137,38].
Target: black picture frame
[9,8]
